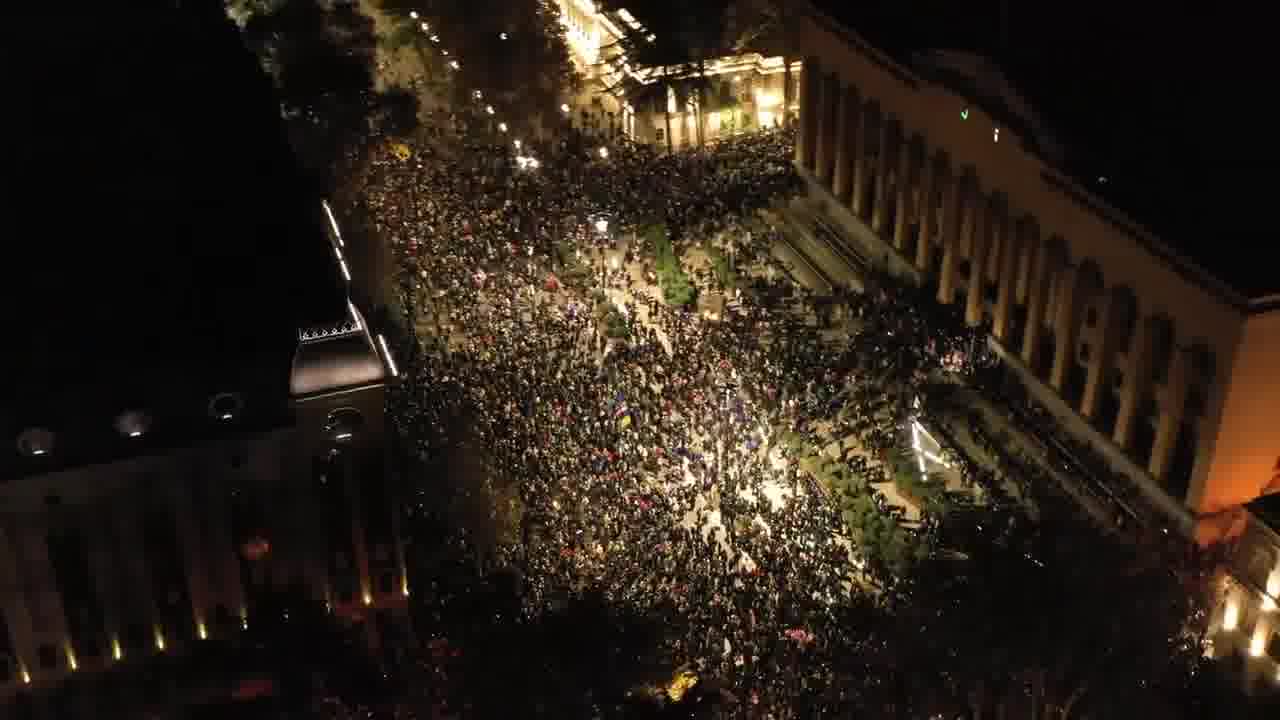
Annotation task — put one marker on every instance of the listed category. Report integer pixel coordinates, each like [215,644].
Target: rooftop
[162,246]
[1138,129]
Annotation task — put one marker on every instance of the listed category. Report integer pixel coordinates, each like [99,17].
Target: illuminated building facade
[943,171]
[748,89]
[192,412]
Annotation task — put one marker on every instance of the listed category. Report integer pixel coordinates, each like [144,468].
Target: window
[226,406]
[35,442]
[343,424]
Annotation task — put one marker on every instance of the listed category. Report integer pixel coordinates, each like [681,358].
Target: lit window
[133,423]
[226,406]
[35,442]
[343,424]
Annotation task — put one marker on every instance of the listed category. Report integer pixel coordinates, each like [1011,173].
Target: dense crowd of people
[648,464]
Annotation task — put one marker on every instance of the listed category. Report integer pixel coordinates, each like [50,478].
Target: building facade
[943,170]
[205,504]
[747,90]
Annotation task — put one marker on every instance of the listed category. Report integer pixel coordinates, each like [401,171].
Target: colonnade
[1124,371]
[162,564]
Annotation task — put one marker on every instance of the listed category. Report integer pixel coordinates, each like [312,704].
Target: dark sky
[1155,96]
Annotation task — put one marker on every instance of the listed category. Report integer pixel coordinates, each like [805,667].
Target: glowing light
[1230,616]
[502,127]
[1258,645]
[454,64]
[160,644]
[26,677]
[502,35]
[386,351]
[413,14]
[767,99]
[435,38]
[517,143]
[226,416]
[202,631]
[117,653]
[488,109]
[71,659]
[995,135]
[346,272]
[602,226]
[964,114]
[135,433]
[333,222]
[404,585]
[564,108]
[425,27]
[604,152]
[367,598]
[38,451]
[477,94]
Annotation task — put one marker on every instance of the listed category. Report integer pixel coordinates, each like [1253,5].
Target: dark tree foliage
[321,57]
[1047,617]
[512,51]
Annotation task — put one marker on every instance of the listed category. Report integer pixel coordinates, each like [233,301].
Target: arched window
[36,442]
[343,424]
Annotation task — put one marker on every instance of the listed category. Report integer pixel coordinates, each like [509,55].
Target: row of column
[938,216]
[36,610]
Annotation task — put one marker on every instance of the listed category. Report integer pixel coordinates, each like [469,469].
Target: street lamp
[453,64]
[564,108]
[413,14]
[502,127]
[488,109]
[604,153]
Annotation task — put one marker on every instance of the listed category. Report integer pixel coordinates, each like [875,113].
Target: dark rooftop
[1154,102]
[160,239]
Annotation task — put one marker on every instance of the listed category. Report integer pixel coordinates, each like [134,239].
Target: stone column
[861,171]
[952,206]
[1066,321]
[1171,411]
[1029,237]
[929,178]
[903,210]
[847,131]
[885,160]
[828,110]
[1111,335]
[1010,259]
[805,139]
[1137,375]
[1037,297]
[978,248]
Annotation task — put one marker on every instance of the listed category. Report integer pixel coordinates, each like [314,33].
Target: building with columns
[748,88]
[938,169]
[192,412]
[942,169]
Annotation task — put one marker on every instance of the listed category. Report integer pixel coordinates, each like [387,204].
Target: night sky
[1155,97]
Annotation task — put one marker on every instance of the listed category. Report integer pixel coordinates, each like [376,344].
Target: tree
[1048,617]
[512,51]
[768,24]
[320,56]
